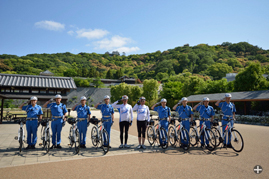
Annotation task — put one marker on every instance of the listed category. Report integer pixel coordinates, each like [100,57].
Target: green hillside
[204,60]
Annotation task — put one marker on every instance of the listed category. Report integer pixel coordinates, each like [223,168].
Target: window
[43,91]
[51,91]
[16,91]
[35,91]
[25,91]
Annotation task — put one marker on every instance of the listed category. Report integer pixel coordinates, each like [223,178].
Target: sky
[133,27]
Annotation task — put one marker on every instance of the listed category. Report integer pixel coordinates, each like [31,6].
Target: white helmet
[33,98]
[205,99]
[124,97]
[163,100]
[228,95]
[83,98]
[58,96]
[142,98]
[184,99]
[106,97]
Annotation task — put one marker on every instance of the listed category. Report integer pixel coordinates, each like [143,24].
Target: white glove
[158,103]
[25,102]
[51,99]
[63,117]
[179,102]
[223,99]
[100,102]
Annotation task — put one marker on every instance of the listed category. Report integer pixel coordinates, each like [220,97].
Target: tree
[70,72]
[98,83]
[109,74]
[172,91]
[251,79]
[150,90]
[192,84]
[133,92]
[118,74]
[219,70]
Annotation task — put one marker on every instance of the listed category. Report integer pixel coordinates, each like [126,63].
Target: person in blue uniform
[164,113]
[58,112]
[107,114]
[207,112]
[185,112]
[84,115]
[228,109]
[34,112]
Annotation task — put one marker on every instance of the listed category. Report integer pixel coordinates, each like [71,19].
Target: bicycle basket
[94,120]
[44,122]
[215,123]
[151,122]
[71,120]
[172,121]
[23,120]
[193,123]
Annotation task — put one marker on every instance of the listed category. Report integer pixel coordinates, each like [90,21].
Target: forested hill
[205,60]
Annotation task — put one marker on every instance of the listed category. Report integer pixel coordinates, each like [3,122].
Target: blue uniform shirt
[163,112]
[227,109]
[32,112]
[106,110]
[184,112]
[83,112]
[57,110]
[206,112]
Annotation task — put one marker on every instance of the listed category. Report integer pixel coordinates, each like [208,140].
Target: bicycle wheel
[184,135]
[210,136]
[20,140]
[150,135]
[172,136]
[94,136]
[237,141]
[193,136]
[105,141]
[164,139]
[47,144]
[71,138]
[77,141]
[217,135]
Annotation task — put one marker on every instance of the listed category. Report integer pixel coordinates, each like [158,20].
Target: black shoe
[110,147]
[202,145]
[82,146]
[229,146]
[32,146]
[28,147]
[53,147]
[59,146]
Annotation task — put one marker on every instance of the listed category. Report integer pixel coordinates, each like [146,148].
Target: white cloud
[70,32]
[114,42]
[50,25]
[127,49]
[91,34]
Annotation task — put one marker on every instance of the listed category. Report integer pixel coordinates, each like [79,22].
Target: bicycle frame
[43,131]
[202,130]
[101,129]
[157,128]
[73,128]
[21,128]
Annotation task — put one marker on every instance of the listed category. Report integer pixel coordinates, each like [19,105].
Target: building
[231,76]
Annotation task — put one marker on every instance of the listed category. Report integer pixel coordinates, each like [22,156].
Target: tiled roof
[236,96]
[14,80]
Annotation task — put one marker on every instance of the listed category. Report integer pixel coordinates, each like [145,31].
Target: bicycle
[45,134]
[229,132]
[8,116]
[99,135]
[208,135]
[21,136]
[154,135]
[73,137]
[178,132]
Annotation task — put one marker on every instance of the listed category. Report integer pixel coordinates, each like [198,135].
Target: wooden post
[245,108]
[2,110]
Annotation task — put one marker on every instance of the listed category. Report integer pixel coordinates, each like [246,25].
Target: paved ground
[131,163]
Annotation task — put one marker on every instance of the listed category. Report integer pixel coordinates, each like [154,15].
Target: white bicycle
[21,135]
[45,134]
[73,137]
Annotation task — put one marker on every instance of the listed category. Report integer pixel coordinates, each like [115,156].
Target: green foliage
[133,92]
[251,79]
[81,82]
[8,103]
[150,90]
[219,70]
[172,91]
[97,83]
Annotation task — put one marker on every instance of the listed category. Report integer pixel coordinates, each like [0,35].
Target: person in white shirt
[126,118]
[143,117]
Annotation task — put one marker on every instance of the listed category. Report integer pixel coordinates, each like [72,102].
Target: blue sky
[134,27]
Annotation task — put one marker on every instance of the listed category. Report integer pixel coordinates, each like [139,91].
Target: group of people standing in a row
[59,111]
